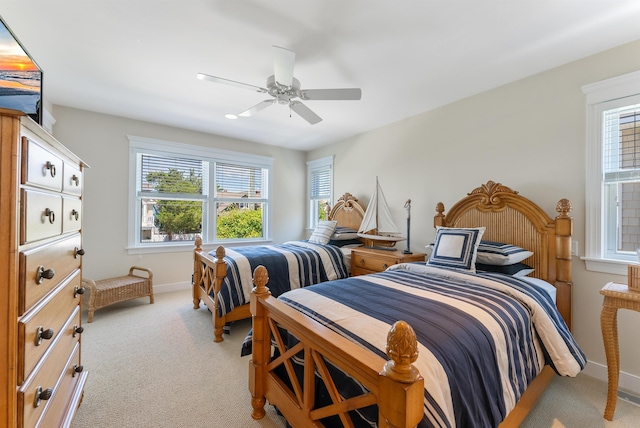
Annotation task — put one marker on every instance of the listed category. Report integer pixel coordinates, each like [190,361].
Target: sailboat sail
[377,223]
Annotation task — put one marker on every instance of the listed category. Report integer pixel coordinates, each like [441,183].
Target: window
[179,192]
[613,174]
[320,179]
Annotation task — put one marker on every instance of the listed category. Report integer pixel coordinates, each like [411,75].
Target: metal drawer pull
[78,290]
[78,252]
[43,334]
[49,213]
[75,179]
[75,214]
[52,169]
[42,394]
[43,274]
[77,330]
[362,262]
[385,266]
[77,369]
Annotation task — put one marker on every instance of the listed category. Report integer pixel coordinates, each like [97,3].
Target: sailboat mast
[377,199]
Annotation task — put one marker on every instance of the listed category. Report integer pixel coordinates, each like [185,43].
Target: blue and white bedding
[482,337]
[291,265]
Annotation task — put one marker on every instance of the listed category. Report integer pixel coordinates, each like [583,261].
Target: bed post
[261,343]
[564,231]
[197,273]
[219,273]
[401,386]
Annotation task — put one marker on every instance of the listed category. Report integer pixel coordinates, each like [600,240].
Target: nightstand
[369,260]
[616,296]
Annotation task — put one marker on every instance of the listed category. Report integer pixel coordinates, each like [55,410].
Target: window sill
[616,267]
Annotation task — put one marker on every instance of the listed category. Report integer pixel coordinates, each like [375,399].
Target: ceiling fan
[285,89]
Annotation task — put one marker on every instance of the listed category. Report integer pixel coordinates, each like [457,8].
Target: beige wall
[528,135]
[101,141]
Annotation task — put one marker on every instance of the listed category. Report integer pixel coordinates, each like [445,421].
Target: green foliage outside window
[322,210]
[239,223]
[175,216]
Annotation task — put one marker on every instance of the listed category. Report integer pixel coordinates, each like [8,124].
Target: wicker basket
[105,292]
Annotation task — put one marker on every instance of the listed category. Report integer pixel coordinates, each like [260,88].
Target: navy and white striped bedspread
[290,265]
[482,338]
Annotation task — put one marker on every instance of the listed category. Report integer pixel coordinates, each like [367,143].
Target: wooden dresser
[368,260]
[42,378]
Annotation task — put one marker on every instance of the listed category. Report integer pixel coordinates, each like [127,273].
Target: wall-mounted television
[20,76]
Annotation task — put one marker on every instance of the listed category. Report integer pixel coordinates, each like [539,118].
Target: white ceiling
[139,58]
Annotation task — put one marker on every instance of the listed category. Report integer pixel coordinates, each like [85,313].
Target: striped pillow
[323,231]
[499,254]
[456,248]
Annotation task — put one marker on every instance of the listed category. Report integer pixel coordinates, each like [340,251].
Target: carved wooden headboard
[347,212]
[514,219]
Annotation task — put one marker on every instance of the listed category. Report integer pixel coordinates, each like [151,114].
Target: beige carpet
[157,366]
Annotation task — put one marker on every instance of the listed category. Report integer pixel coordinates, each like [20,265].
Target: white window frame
[601,96]
[315,166]
[212,155]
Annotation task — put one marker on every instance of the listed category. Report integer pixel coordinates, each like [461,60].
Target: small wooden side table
[369,260]
[616,296]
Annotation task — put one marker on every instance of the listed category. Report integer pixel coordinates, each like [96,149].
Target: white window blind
[170,175]
[621,138]
[321,183]
[239,181]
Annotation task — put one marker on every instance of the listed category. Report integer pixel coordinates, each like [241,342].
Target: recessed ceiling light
[231,116]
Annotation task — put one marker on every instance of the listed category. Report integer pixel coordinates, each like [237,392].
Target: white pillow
[497,253]
[323,231]
[456,248]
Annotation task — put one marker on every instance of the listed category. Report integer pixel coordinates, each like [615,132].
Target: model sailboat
[377,227]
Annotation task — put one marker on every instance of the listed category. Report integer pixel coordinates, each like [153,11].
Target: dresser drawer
[48,317]
[41,216]
[59,256]
[72,210]
[48,378]
[72,179]
[40,167]
[68,395]
[369,262]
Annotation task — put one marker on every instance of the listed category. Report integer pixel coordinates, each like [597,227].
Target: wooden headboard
[514,219]
[347,212]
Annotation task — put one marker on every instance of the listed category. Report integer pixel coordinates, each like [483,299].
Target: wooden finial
[564,207]
[260,279]
[220,253]
[198,244]
[402,350]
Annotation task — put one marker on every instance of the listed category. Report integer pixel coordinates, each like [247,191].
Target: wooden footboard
[208,274]
[395,386]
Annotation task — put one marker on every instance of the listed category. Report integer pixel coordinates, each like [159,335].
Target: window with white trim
[320,180]
[613,174]
[179,192]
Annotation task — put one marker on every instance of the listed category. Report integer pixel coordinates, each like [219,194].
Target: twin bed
[423,344]
[223,279]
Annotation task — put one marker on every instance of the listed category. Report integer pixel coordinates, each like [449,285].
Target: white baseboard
[168,288]
[627,382]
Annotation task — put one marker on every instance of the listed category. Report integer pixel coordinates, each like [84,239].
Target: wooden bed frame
[395,385]
[209,272]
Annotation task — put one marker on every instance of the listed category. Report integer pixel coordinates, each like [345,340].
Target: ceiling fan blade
[331,94]
[283,60]
[256,108]
[215,79]
[305,112]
